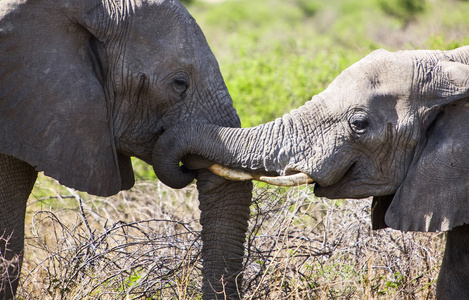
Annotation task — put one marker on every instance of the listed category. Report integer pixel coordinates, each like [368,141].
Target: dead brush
[302,247]
[94,249]
[145,244]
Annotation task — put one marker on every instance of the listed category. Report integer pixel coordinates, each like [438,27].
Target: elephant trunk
[224,207]
[263,150]
[277,148]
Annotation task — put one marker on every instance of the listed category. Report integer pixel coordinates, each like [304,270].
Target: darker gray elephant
[393,126]
[85,85]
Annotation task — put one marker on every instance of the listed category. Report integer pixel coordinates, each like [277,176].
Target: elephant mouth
[347,186]
[237,175]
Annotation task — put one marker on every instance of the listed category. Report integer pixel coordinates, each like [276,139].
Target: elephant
[85,86]
[392,126]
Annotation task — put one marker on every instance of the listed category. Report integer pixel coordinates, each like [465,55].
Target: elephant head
[393,126]
[85,85]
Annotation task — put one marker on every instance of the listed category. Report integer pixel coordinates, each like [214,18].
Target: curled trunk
[265,150]
[214,143]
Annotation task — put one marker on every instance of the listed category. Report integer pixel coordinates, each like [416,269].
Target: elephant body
[392,126]
[85,85]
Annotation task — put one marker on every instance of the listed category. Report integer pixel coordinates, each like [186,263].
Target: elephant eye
[359,123]
[180,85]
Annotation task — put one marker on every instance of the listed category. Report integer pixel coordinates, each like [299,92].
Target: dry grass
[302,247]
[145,244]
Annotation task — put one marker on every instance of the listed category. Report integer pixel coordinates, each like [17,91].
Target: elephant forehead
[388,74]
[382,70]
[376,79]
[172,38]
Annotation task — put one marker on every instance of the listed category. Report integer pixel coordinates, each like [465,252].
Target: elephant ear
[53,110]
[435,193]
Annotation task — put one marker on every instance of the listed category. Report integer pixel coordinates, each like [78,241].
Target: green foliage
[268,86]
[186,2]
[439,41]
[142,170]
[403,10]
[133,279]
[248,15]
[309,8]
[393,284]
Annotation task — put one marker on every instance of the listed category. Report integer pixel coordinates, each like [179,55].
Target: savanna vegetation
[274,55]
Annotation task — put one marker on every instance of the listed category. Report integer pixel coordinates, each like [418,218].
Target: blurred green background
[276,54]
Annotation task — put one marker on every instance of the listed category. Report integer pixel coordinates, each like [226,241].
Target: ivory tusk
[235,175]
[290,180]
[230,174]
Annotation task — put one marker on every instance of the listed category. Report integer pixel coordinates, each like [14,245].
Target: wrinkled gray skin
[392,126]
[84,85]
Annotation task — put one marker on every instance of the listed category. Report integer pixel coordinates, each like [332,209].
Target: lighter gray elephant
[393,126]
[85,85]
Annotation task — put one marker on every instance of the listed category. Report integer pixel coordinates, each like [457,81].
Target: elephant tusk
[289,180]
[235,175]
[230,174]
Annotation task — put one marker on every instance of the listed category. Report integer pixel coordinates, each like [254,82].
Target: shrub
[403,10]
